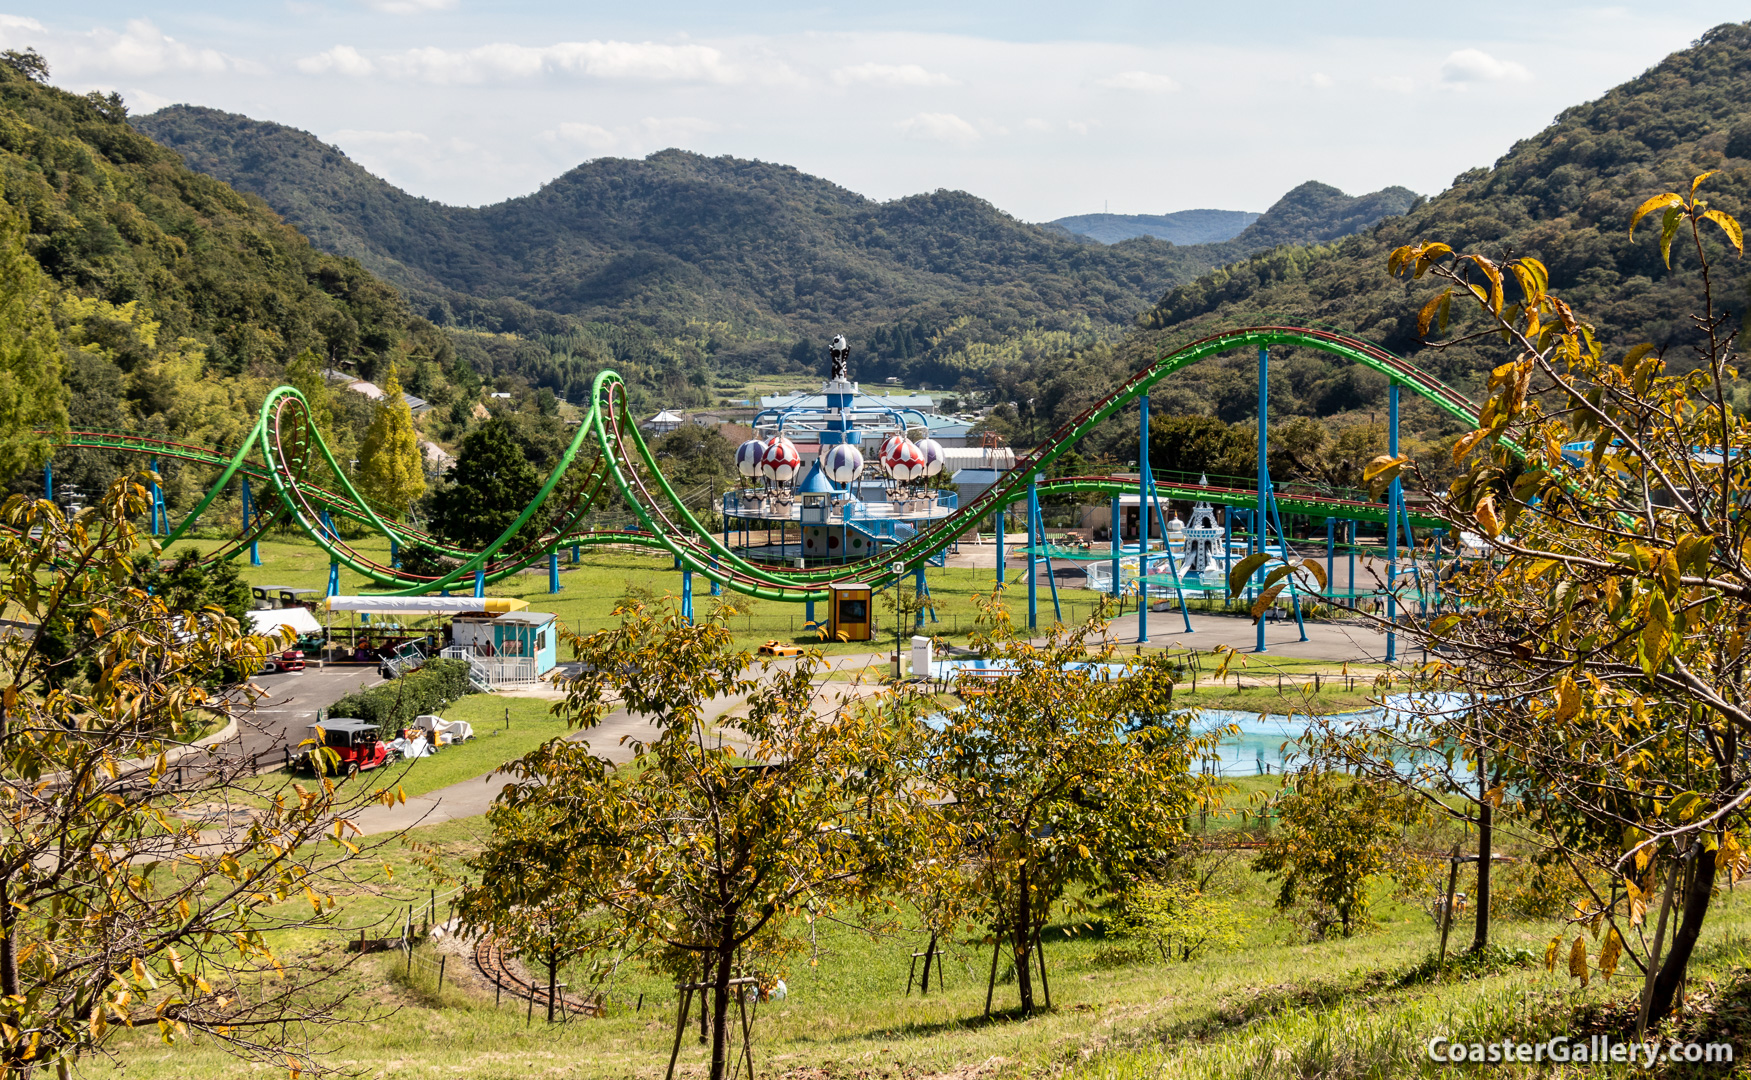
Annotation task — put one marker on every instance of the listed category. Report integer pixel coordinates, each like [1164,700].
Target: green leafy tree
[1335,836]
[488,487]
[33,396]
[391,468]
[714,838]
[1050,769]
[1178,919]
[1604,641]
[117,911]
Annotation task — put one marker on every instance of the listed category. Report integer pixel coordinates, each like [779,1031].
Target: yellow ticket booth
[849,613]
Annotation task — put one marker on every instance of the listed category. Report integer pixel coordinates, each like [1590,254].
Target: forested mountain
[175,300]
[753,263]
[1179,227]
[1564,195]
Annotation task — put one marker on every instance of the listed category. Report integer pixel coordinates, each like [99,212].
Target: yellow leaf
[1427,316]
[1650,206]
[1694,184]
[1550,952]
[1485,513]
[1578,960]
[1467,443]
[1609,954]
[1568,700]
[1668,229]
[1730,226]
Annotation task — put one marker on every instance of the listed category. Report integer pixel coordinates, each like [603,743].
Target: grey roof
[532,618]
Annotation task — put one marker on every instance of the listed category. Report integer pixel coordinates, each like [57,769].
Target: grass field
[1275,1006]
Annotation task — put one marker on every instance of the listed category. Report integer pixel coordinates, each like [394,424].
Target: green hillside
[760,260]
[177,300]
[1564,195]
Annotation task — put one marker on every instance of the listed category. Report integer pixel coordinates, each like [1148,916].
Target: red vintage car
[355,745]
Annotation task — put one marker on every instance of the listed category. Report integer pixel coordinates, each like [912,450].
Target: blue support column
[1033,541]
[157,500]
[1394,494]
[687,595]
[553,571]
[1002,512]
[1114,530]
[717,588]
[808,609]
[49,480]
[1227,560]
[1264,471]
[248,512]
[334,577]
[1294,593]
[480,582]
[1330,551]
[1143,517]
[575,558]
[1352,547]
[920,590]
[1051,578]
[1173,567]
[1435,586]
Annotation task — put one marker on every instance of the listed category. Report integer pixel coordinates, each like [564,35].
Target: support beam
[1263,467]
[687,595]
[1393,498]
[1113,529]
[480,582]
[1033,543]
[1143,517]
[553,571]
[49,480]
[248,512]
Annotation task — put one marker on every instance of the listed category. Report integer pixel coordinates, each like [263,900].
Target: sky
[1045,109]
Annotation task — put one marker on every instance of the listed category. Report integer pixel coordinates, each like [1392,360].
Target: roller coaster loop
[283,450]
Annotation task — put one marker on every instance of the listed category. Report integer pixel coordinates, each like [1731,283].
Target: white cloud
[408,7]
[340,60]
[890,75]
[643,61]
[1146,81]
[631,140]
[144,101]
[1475,65]
[142,49]
[19,22]
[1319,80]
[1034,123]
[938,127]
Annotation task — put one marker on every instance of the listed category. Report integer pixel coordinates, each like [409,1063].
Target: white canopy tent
[298,619]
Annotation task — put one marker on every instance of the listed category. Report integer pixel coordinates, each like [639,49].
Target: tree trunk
[1696,897]
[8,942]
[1480,937]
[1024,938]
[720,1005]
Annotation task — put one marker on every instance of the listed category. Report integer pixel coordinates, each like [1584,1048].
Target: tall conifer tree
[389,455]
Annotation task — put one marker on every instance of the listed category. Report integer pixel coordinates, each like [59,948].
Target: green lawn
[1276,1006]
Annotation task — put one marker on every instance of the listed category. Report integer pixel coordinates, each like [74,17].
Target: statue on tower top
[841,353]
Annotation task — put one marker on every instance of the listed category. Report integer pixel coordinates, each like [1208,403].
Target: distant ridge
[751,263]
[1180,227]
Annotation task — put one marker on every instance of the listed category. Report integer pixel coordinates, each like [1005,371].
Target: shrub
[394,704]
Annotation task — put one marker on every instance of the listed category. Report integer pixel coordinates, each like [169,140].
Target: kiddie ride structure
[880,541]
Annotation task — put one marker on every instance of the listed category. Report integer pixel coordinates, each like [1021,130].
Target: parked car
[357,746]
[290,660]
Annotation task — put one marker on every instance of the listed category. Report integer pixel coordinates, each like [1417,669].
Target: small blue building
[513,635]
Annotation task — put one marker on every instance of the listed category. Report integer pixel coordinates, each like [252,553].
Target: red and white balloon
[780,461]
[903,460]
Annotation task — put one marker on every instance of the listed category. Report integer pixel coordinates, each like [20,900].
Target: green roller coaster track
[284,448]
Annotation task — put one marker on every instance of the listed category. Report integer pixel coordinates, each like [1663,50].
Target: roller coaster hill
[608,464]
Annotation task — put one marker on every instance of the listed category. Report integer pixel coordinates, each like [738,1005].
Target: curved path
[284,451]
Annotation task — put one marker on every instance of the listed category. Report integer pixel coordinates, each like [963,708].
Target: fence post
[441,961]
